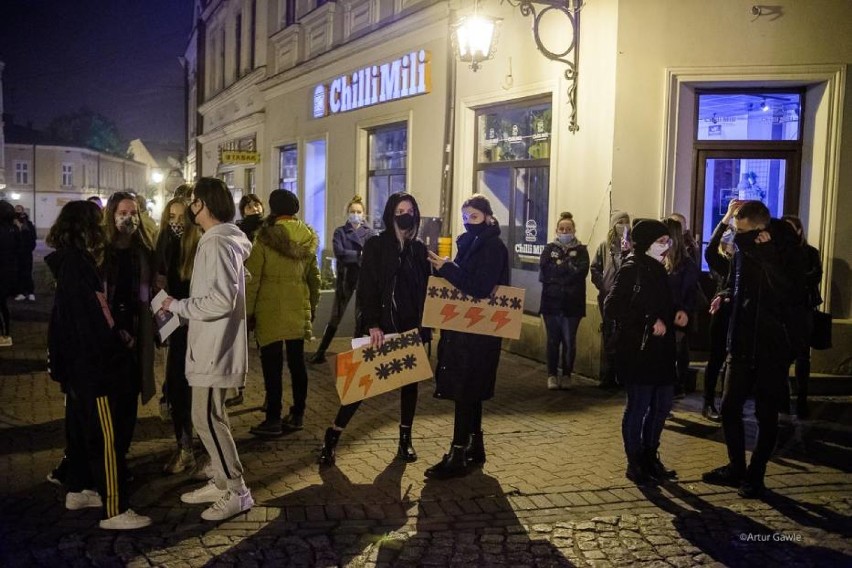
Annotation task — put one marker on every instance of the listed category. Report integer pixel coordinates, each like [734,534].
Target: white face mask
[126,224]
[356,218]
[657,251]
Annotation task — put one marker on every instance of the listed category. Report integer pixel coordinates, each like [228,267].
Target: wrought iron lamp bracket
[570,56]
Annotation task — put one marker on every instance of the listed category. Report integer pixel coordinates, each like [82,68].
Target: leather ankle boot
[327,456]
[319,356]
[654,466]
[453,465]
[475,450]
[405,452]
[636,471]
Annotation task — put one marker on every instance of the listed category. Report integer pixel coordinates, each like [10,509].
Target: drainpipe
[445,241]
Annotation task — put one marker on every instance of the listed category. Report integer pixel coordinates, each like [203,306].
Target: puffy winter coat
[467,362]
[283,287]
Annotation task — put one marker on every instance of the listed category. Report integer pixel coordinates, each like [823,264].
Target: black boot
[752,486]
[405,452]
[294,421]
[474,452]
[655,467]
[453,465]
[710,413]
[327,456]
[636,471]
[319,356]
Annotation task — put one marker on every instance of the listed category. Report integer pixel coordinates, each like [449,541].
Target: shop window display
[388,159]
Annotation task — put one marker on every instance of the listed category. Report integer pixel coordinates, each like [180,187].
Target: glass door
[724,175]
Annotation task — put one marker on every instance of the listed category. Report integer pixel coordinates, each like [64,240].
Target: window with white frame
[22,172]
[67,175]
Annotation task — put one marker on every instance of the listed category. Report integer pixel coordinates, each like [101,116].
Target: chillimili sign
[406,76]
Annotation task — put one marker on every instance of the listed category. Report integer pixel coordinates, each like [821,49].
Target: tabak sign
[406,76]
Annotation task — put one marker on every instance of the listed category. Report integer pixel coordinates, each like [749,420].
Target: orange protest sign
[500,314]
[368,371]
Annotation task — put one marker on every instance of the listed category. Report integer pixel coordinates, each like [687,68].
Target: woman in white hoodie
[217,350]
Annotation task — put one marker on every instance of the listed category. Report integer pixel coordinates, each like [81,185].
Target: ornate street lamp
[475,39]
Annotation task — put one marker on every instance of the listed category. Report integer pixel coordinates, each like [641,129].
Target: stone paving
[552,493]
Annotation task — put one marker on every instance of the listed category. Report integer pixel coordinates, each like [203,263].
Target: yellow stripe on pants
[110,465]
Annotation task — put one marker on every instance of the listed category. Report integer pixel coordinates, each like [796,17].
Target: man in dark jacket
[26,287]
[764,285]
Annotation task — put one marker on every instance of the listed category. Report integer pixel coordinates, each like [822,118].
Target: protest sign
[500,314]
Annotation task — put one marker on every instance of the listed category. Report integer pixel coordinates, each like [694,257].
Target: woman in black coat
[10,244]
[640,303]
[467,362]
[391,292]
[564,264]
[26,286]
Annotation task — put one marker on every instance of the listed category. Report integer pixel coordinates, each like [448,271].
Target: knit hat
[283,202]
[617,216]
[645,232]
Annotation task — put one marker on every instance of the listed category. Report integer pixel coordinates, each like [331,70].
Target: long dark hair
[390,209]
[78,226]
[797,224]
[7,212]
[141,238]
[677,251]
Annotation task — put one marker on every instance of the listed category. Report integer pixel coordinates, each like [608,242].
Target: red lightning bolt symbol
[366,382]
[346,367]
[474,315]
[500,318]
[449,312]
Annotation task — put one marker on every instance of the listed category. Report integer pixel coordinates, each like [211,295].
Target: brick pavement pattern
[552,493]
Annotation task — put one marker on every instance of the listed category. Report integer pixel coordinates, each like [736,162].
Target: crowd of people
[259,277]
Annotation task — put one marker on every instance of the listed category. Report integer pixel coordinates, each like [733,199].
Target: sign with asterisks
[499,314]
[369,371]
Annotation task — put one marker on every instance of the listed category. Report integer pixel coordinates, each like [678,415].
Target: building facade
[679,107]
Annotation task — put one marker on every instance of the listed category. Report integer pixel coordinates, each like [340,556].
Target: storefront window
[767,116]
[288,168]
[388,159]
[314,204]
[513,171]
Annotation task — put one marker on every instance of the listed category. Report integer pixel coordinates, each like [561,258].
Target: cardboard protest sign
[368,371]
[500,314]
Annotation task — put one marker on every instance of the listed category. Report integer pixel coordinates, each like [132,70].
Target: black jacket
[639,297]
[28,236]
[250,225]
[719,264]
[392,285]
[467,362]
[168,262]
[562,273]
[766,287]
[683,283]
[10,244]
[85,350]
[813,276]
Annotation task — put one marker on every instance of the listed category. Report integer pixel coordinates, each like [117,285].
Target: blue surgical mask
[565,238]
[356,218]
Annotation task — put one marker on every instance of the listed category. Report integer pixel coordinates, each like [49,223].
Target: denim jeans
[644,416]
[561,340]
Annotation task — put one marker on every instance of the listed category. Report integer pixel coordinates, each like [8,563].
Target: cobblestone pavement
[552,493]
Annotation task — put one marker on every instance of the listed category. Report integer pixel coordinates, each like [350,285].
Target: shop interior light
[763,106]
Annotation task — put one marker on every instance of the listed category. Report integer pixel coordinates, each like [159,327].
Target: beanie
[617,216]
[283,202]
[645,232]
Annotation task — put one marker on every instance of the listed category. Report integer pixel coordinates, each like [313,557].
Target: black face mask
[190,215]
[746,239]
[475,229]
[404,222]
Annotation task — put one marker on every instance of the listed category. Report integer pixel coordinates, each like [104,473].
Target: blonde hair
[188,248]
[357,200]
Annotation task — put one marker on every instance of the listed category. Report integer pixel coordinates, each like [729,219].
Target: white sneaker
[229,505]
[127,521]
[566,382]
[82,500]
[5,341]
[204,469]
[180,461]
[31,297]
[20,298]
[552,383]
[206,494]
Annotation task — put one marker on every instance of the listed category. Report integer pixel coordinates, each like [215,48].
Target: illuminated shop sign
[239,157]
[407,76]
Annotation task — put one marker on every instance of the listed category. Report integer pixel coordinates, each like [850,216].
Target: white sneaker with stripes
[83,500]
[126,521]
[207,494]
[232,503]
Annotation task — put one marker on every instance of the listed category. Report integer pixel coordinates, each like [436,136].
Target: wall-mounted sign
[406,76]
[239,157]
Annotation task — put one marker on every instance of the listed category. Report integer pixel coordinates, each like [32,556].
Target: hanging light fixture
[474,37]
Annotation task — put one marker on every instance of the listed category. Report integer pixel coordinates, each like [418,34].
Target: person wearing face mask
[718,255]
[467,362]
[348,243]
[389,298]
[640,304]
[563,267]
[766,288]
[251,211]
[176,248]
[27,232]
[608,259]
[129,275]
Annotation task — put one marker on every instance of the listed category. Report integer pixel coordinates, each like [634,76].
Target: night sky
[116,57]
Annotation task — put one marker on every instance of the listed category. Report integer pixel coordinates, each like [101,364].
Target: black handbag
[821,334]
